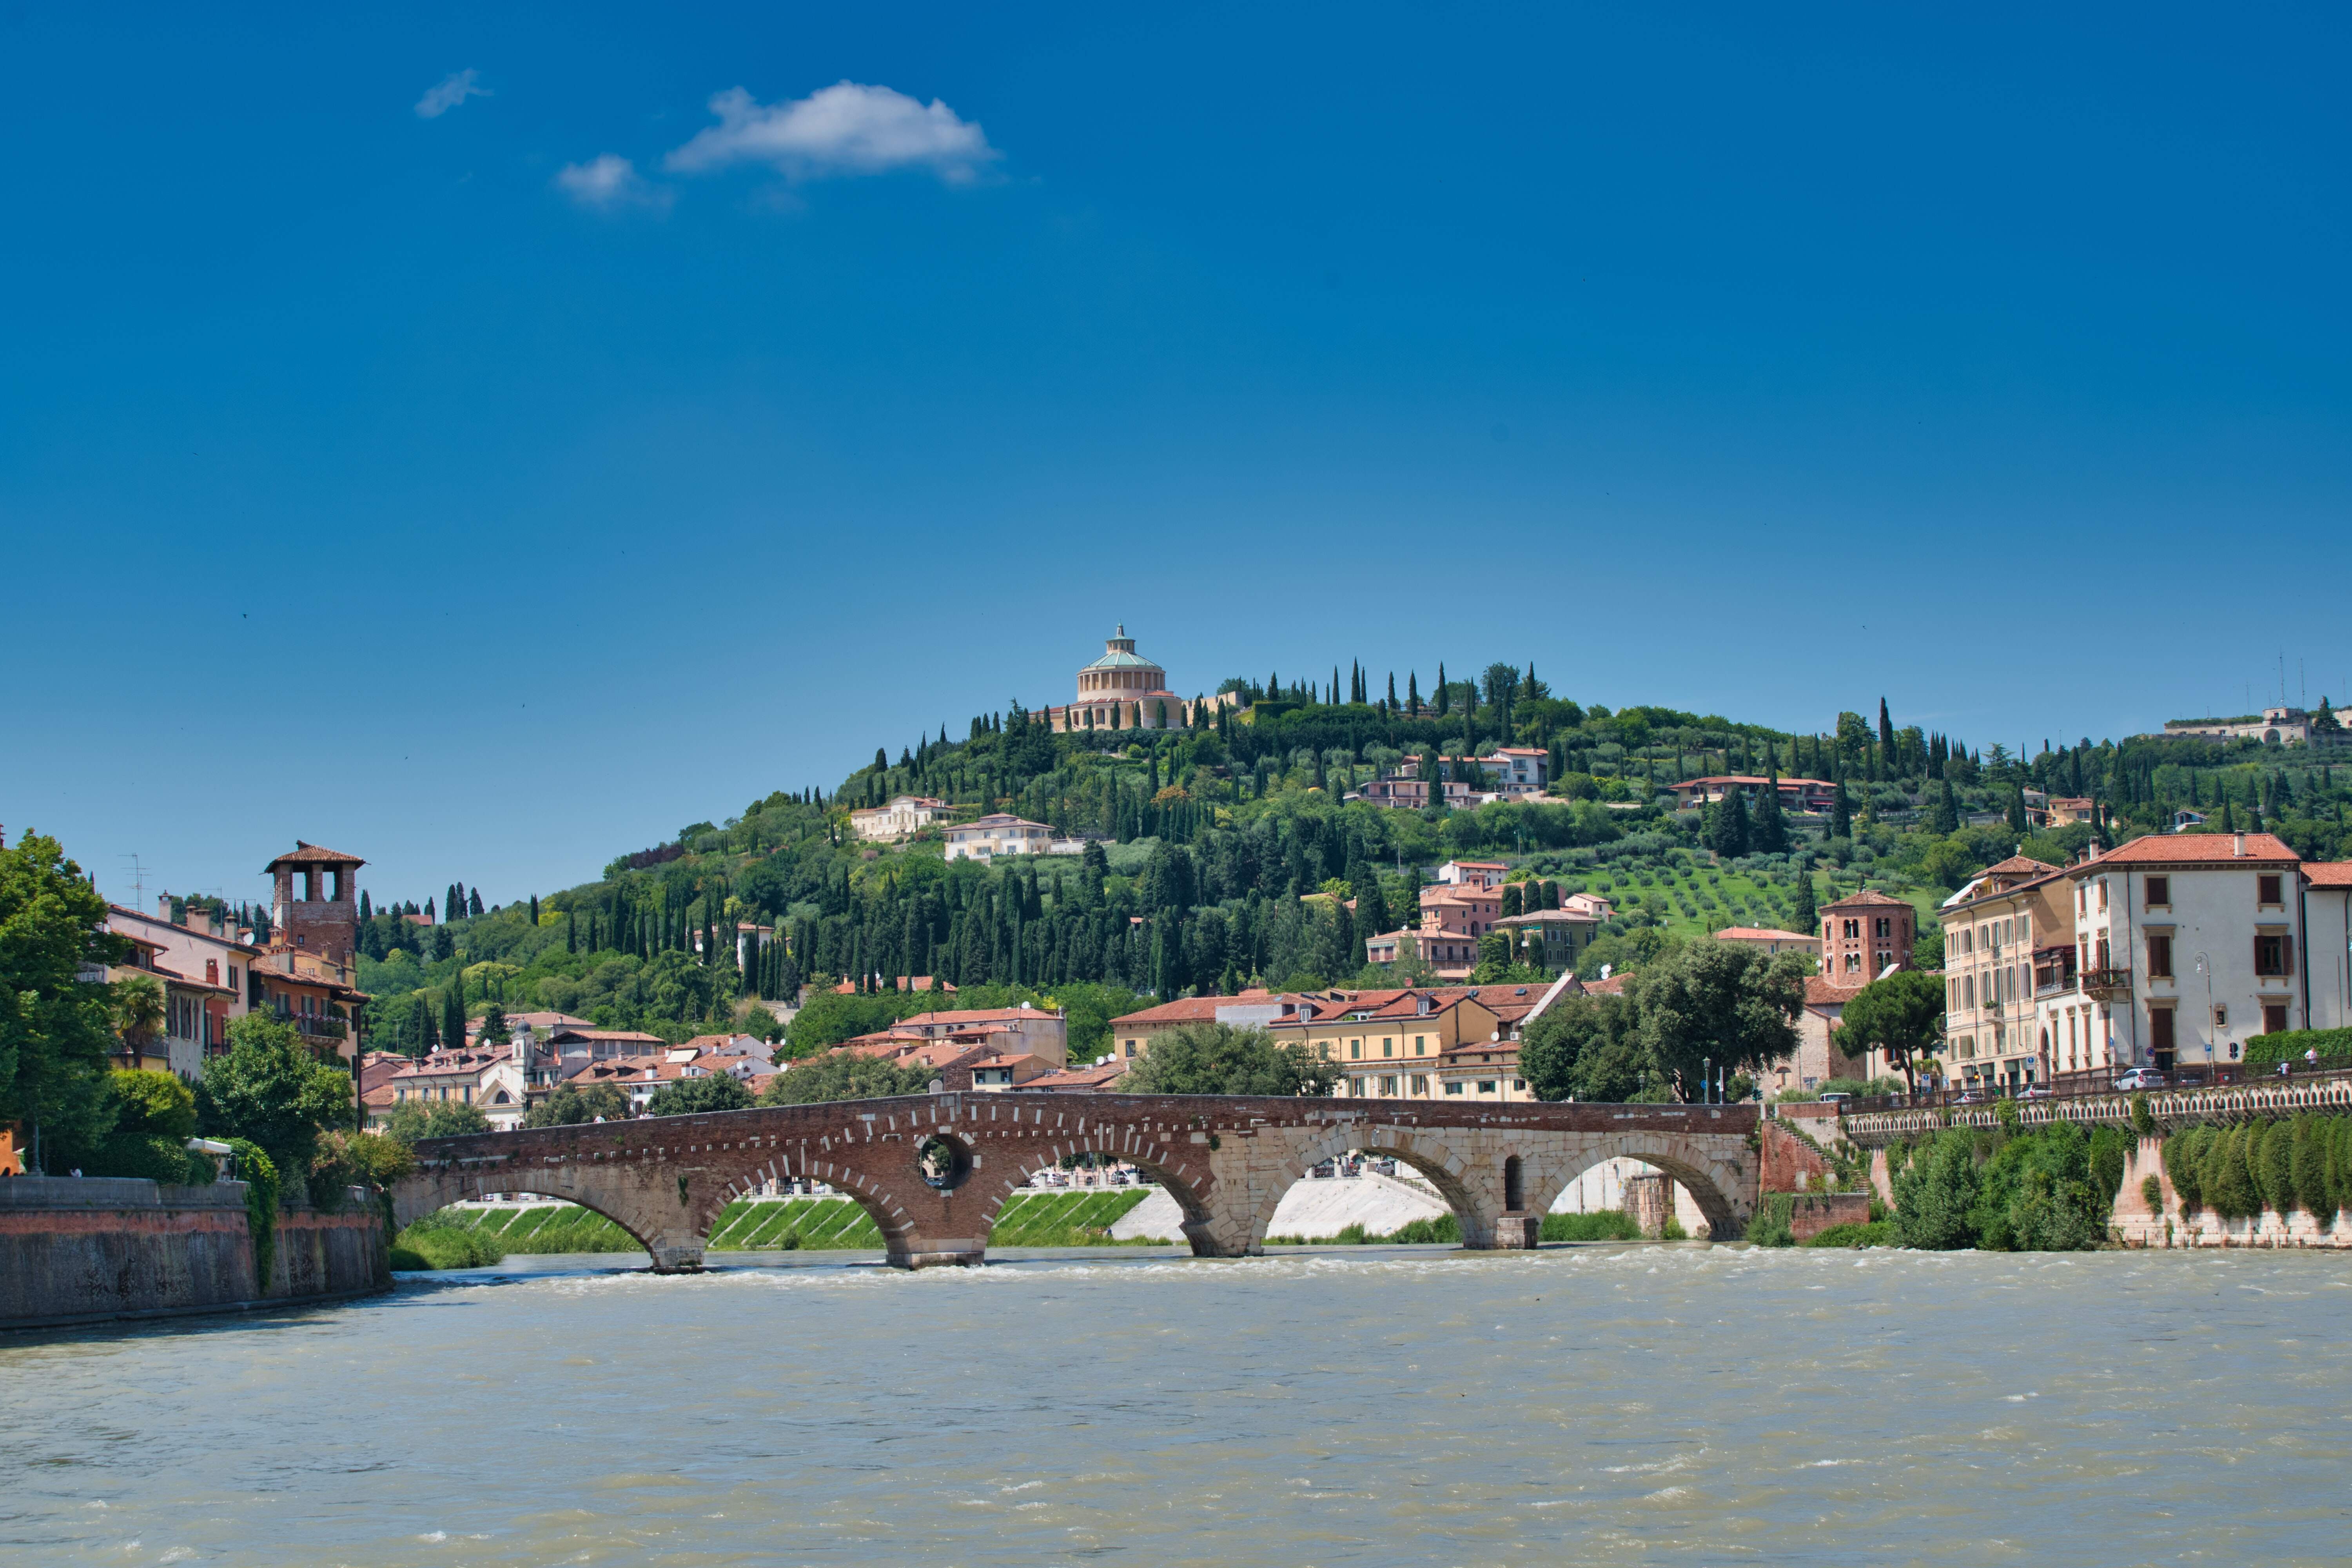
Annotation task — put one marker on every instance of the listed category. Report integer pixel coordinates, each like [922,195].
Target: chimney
[2238,846]
[163,907]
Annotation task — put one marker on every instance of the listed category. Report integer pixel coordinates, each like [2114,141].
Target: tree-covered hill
[1207,841]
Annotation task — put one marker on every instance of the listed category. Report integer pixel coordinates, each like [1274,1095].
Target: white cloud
[845,129]
[608,184]
[447,93]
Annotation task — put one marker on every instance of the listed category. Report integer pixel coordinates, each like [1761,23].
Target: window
[1355,1050]
[2103,897]
[211,971]
[2160,1029]
[2220,1015]
[1486,1085]
[2266,890]
[2274,1020]
[2160,892]
[1420,1046]
[1387,1087]
[1421,1083]
[2159,955]
[1388,1047]
[2273,954]
[1453,1089]
[1853,930]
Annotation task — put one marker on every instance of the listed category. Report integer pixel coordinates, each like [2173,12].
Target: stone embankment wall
[82,1250]
[2139,1226]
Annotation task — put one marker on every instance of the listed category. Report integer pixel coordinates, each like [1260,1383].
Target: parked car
[2139,1078]
[2035,1091]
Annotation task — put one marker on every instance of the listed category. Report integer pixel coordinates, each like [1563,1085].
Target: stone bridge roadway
[1227,1160]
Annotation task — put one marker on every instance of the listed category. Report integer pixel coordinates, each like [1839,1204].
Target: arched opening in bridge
[944,1162]
[1096,1196]
[1369,1193]
[1622,1194]
[1515,1184]
[502,1223]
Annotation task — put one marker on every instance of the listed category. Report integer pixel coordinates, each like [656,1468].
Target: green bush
[2266,1051]
[2151,1192]
[1936,1195]
[2038,1193]
[1771,1226]
[2184,1162]
[1604,1225]
[437,1241]
[2228,1176]
[1877,1233]
[1443,1227]
[2273,1164]
[1673,1230]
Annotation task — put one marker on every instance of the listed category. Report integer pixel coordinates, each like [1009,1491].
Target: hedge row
[2334,1045]
[2303,1163]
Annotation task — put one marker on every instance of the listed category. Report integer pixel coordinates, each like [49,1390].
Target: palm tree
[138,1004]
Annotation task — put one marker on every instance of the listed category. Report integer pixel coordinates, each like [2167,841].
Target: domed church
[1123,691]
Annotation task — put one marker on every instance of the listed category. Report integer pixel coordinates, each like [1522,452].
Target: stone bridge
[933,1170]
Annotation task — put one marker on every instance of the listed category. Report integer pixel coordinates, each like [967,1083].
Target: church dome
[1118,653]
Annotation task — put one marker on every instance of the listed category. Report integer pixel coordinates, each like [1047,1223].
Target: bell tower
[314,908]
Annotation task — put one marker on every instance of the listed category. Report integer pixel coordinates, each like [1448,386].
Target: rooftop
[306,853]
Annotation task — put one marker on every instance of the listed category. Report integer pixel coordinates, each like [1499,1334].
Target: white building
[904,816]
[998,834]
[2185,946]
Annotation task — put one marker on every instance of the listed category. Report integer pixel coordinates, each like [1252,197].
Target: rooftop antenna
[137,881]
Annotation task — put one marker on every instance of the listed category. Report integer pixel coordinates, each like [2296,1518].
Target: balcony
[2107,984]
[315,1026]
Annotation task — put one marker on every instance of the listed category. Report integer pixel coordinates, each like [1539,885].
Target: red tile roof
[2329,873]
[2018,866]
[1871,897]
[1761,933]
[314,855]
[2195,849]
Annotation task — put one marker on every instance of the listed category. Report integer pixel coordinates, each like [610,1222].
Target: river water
[1597,1404]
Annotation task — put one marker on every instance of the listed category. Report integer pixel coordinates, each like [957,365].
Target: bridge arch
[414,1199]
[1427,1151]
[1152,1157]
[1716,1185]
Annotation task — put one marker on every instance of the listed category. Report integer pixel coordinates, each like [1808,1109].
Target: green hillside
[1206,839]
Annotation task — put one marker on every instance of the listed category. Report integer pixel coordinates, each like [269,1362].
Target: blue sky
[489,473]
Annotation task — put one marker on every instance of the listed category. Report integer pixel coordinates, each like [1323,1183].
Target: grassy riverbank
[475,1238]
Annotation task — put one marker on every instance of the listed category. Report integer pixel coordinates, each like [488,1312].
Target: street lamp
[1707,1076]
[2205,968]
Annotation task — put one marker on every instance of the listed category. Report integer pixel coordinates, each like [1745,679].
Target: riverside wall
[96,1249]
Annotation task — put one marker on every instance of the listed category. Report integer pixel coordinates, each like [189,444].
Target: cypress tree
[1804,913]
[534,911]
[1770,833]
[1885,727]
[453,1012]
[365,913]
[572,931]
[1439,705]
[1840,815]
[1946,815]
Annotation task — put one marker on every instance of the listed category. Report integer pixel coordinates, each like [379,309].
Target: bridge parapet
[2170,1108]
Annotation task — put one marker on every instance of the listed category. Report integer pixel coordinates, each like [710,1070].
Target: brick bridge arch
[1227,1160]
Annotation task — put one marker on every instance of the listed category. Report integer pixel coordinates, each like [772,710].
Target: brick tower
[315,908]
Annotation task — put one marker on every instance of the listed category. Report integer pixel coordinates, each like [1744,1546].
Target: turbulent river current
[1590,1405]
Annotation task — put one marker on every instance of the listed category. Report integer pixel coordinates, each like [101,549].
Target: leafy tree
[1716,1002]
[1902,1014]
[844,1075]
[1588,1049]
[414,1118]
[2039,1193]
[569,1106]
[53,1030]
[154,1113]
[271,1091]
[1218,1058]
[693,1095]
[1935,1194]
